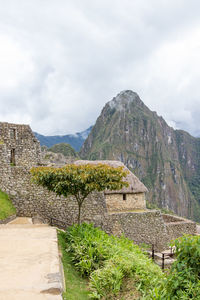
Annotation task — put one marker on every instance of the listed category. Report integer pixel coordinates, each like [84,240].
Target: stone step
[169,252]
[22,226]
[21,220]
[160,256]
[167,262]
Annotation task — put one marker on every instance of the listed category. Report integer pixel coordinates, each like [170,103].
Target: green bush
[183,281]
[109,260]
[89,246]
[106,280]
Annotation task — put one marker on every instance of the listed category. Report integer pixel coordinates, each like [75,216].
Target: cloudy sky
[62,60]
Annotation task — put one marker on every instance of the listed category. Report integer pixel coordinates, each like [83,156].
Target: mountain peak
[167,161]
[124,99]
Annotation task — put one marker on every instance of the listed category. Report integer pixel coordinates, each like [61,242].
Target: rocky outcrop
[59,154]
[166,160]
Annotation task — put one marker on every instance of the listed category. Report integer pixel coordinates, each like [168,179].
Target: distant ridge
[75,140]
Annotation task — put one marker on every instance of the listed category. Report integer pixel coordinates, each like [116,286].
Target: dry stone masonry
[18,145]
[120,212]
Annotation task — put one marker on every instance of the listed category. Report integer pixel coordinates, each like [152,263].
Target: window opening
[13,133]
[124,196]
[12,157]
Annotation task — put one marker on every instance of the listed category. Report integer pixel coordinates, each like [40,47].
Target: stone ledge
[7,220]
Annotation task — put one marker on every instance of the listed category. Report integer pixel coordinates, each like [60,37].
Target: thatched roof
[135,185]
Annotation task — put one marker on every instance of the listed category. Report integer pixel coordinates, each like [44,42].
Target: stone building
[128,198]
[18,145]
[117,212]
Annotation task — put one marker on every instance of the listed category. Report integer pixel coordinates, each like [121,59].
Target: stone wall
[30,199]
[7,220]
[177,226]
[142,227]
[20,143]
[4,161]
[170,218]
[116,203]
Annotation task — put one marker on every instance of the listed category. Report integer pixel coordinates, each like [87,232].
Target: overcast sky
[62,60]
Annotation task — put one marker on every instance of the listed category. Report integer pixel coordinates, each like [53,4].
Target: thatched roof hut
[135,185]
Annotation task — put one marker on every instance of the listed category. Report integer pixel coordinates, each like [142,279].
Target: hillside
[166,160]
[75,140]
[65,149]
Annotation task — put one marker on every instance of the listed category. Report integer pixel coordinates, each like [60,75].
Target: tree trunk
[79,212]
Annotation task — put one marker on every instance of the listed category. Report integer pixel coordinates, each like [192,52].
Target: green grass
[6,207]
[76,286]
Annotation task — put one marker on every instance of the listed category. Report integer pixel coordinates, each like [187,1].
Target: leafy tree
[79,180]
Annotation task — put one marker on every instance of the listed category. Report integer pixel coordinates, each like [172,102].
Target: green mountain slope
[166,160]
[65,149]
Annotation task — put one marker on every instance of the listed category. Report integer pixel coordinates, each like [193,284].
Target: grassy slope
[6,207]
[76,286]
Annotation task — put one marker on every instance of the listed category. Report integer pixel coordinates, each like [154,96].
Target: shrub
[183,281]
[109,260]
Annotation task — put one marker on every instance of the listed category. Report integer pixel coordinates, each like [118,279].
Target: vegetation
[183,281]
[6,207]
[76,286]
[162,209]
[110,263]
[116,268]
[65,149]
[79,180]
[194,185]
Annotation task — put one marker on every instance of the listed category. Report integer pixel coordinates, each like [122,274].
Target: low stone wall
[116,203]
[7,220]
[30,199]
[177,226]
[170,218]
[142,227]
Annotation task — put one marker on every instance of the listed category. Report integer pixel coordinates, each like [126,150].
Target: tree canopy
[79,180]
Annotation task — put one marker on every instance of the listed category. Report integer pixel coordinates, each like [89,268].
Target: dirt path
[29,262]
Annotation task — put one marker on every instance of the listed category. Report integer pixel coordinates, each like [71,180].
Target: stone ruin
[116,213]
[18,145]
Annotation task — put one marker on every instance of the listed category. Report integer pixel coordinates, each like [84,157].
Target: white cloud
[61,61]
[172,80]
[15,64]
